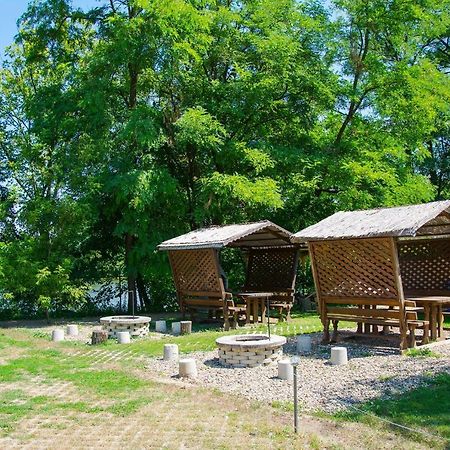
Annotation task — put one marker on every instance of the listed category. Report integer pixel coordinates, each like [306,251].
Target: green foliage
[140,120]
[422,353]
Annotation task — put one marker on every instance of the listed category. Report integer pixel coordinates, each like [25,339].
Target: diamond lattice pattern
[271,269]
[195,270]
[425,265]
[355,268]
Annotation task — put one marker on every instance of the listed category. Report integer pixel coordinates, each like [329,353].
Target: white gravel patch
[371,372]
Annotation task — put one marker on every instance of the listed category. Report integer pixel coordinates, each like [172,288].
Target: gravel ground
[373,370]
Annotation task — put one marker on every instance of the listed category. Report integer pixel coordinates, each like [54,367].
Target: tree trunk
[143,296]
[99,336]
[131,279]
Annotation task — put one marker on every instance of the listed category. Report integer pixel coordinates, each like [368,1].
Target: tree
[141,119]
[42,220]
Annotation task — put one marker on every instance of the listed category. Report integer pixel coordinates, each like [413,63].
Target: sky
[11,10]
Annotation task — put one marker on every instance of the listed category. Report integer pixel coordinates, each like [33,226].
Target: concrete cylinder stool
[72,330]
[338,356]
[303,343]
[160,326]
[170,352]
[187,368]
[123,337]
[176,327]
[58,335]
[285,370]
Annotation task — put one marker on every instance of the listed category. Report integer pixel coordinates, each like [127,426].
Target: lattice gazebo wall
[355,268]
[196,271]
[269,269]
[425,265]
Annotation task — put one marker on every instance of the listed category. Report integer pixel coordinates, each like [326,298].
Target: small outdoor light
[294,361]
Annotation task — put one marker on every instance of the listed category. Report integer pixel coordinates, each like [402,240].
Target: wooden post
[433,321]
[400,295]
[334,337]
[99,336]
[185,327]
[320,304]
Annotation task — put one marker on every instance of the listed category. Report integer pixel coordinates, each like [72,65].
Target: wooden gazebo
[271,266]
[381,267]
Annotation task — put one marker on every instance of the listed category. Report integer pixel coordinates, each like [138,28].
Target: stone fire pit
[137,326]
[250,350]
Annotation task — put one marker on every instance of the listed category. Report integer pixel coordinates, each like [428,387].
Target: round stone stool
[176,327]
[160,326]
[285,370]
[58,335]
[187,368]
[123,337]
[72,330]
[338,356]
[303,343]
[170,352]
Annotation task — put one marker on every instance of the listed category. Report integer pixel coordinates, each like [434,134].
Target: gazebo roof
[256,234]
[413,220]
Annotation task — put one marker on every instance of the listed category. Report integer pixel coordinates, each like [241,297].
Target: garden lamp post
[294,361]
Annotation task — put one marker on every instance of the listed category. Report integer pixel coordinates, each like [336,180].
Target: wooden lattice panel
[271,269]
[195,270]
[355,268]
[425,265]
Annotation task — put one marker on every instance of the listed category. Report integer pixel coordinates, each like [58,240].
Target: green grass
[203,337]
[9,341]
[15,405]
[422,353]
[124,392]
[426,408]
[283,405]
[51,365]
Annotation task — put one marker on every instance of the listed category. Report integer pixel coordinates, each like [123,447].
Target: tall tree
[36,130]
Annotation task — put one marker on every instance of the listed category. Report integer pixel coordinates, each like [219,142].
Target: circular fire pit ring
[137,326]
[250,350]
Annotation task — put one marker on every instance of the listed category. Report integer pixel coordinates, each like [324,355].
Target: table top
[254,294]
[430,299]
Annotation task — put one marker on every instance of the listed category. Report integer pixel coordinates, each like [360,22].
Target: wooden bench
[371,313]
[200,285]
[282,301]
[193,302]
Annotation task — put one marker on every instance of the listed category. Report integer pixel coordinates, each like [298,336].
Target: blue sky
[11,10]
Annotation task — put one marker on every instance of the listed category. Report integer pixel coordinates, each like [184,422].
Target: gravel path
[372,371]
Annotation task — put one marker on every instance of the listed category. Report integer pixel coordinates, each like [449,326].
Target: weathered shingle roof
[426,219]
[263,233]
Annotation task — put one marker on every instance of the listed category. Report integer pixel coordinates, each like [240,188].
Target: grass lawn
[425,409]
[203,337]
[60,395]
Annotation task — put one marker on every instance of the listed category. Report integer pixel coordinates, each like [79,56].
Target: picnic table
[432,307]
[256,303]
